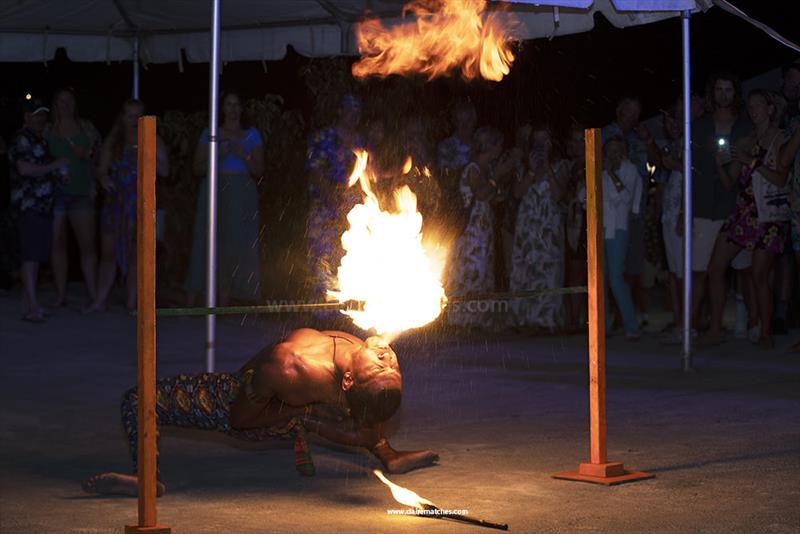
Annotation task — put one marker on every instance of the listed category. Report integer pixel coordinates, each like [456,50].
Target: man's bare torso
[298,371]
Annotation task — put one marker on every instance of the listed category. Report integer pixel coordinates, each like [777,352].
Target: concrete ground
[504,413]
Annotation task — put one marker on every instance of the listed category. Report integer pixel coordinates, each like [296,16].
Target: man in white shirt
[622,193]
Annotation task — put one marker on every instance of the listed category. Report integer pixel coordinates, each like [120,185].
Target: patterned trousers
[203,401]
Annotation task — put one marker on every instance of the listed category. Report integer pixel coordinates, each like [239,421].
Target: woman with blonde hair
[77,140]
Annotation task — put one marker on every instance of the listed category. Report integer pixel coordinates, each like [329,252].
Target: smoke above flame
[444,36]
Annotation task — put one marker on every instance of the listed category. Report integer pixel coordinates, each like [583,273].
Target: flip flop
[34,318]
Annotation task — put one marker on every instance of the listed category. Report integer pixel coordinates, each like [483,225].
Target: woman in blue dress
[241,165]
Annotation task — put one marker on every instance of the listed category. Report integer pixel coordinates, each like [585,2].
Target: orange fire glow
[386,264]
[446,35]
[403,495]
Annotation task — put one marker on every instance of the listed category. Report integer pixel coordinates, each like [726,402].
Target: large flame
[386,264]
[445,35]
[403,495]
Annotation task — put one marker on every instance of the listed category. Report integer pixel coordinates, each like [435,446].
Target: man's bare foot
[117,484]
[398,462]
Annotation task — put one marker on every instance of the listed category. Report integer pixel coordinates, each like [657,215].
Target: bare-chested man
[330,383]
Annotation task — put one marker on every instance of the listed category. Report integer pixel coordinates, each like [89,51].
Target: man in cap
[34,173]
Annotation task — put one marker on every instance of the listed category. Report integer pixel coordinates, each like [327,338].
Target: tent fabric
[104,30]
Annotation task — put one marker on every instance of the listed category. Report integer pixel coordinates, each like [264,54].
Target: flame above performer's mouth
[403,495]
[444,36]
[386,265]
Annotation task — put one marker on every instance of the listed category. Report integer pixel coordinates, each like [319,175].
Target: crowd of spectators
[511,210]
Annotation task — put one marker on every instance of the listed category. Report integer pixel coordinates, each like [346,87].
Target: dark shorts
[65,203]
[35,233]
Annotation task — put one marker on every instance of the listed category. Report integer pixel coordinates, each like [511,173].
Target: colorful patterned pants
[203,401]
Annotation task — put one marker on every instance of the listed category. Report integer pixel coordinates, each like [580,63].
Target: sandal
[34,317]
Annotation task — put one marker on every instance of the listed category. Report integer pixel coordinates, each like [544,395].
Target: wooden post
[146,329]
[595,256]
[598,469]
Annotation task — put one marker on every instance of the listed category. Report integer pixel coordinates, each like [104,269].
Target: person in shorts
[34,175]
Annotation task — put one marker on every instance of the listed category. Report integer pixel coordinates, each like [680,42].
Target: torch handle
[479,522]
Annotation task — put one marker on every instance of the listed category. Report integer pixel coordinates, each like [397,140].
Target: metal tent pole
[687,196]
[211,263]
[136,68]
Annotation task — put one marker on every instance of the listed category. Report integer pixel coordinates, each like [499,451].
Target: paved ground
[504,412]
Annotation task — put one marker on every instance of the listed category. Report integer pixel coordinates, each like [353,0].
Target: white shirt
[618,205]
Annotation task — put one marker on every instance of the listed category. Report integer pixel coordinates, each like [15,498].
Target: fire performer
[330,383]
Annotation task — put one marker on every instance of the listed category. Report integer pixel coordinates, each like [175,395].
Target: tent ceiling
[103,30]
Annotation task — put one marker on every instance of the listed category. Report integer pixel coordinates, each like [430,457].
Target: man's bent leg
[113,483]
[190,401]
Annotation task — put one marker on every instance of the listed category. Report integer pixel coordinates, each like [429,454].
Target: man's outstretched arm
[371,438]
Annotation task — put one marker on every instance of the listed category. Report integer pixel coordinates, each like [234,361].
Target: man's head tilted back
[374,387]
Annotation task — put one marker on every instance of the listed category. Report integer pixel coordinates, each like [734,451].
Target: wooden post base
[608,474]
[157,529]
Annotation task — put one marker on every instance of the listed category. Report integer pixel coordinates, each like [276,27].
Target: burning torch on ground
[425,508]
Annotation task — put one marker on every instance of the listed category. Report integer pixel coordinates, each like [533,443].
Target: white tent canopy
[105,30]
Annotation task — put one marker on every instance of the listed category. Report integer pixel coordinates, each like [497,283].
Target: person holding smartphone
[713,193]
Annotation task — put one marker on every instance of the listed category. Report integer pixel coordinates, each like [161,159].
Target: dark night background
[578,76]
[573,78]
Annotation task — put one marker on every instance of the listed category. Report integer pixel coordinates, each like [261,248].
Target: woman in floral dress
[330,162]
[472,260]
[117,173]
[537,260]
[756,167]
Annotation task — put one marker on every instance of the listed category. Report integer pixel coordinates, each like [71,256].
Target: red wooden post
[146,330]
[598,469]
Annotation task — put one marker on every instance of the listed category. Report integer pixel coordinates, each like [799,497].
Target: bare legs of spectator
[784,280]
[749,295]
[107,273]
[30,274]
[638,293]
[763,262]
[699,282]
[82,222]
[675,287]
[724,252]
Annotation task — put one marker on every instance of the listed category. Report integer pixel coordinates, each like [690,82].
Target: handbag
[772,201]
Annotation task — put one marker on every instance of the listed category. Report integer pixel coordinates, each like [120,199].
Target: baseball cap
[34,106]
